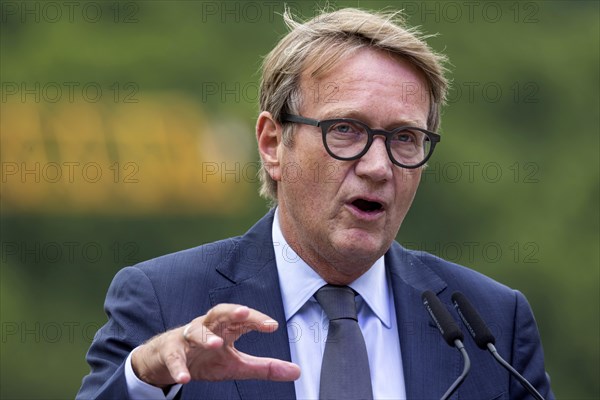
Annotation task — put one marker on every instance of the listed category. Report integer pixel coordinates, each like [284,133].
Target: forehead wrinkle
[360,114]
[411,92]
[360,97]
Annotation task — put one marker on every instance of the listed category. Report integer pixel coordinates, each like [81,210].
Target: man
[349,103]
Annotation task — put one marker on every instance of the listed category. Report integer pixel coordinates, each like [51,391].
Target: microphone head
[442,318]
[473,321]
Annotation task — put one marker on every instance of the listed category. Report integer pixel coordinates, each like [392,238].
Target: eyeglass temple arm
[299,119]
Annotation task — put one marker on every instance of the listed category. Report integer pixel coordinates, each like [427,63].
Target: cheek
[292,173]
[329,173]
[300,177]
[313,167]
[407,177]
[407,182]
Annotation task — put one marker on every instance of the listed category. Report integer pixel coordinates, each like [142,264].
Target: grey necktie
[345,370]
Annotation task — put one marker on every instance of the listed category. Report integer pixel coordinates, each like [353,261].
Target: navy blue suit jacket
[169,291]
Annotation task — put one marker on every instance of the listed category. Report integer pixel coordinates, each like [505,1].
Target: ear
[268,135]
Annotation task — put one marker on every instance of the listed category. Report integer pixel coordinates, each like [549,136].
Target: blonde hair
[320,42]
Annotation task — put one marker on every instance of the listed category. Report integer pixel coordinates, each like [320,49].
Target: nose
[375,164]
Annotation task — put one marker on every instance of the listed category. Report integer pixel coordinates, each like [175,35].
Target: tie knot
[337,302]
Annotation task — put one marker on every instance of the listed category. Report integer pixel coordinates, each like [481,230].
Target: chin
[361,246]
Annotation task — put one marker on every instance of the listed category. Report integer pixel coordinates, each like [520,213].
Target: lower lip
[364,215]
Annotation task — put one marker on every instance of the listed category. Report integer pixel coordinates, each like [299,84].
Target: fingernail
[212,340]
[271,322]
[181,376]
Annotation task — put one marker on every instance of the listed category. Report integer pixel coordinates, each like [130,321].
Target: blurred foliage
[512,190]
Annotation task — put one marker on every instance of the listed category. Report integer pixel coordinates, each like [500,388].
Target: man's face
[340,216]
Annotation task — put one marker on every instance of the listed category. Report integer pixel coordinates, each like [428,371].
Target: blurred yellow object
[159,155]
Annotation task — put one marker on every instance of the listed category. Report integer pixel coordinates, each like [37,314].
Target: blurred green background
[127,133]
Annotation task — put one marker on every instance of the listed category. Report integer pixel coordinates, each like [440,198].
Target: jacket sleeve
[528,355]
[134,316]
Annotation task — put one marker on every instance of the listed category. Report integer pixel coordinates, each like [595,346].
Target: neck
[333,268]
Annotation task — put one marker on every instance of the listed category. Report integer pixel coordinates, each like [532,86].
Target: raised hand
[204,350]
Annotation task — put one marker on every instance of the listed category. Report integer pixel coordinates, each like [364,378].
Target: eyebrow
[357,114]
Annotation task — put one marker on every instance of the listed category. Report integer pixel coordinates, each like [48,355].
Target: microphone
[484,339]
[450,332]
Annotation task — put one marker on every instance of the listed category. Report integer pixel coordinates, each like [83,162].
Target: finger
[265,368]
[236,319]
[175,361]
[248,319]
[198,335]
[262,322]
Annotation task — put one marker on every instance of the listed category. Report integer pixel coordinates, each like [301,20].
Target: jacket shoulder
[487,292]
[458,274]
[193,261]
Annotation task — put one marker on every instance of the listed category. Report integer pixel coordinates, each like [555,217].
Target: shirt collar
[298,281]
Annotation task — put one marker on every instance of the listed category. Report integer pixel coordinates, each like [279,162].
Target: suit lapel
[251,268]
[430,365]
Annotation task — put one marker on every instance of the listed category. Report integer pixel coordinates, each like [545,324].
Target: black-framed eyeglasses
[349,139]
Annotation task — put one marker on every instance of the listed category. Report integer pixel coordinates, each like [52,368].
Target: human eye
[407,136]
[345,129]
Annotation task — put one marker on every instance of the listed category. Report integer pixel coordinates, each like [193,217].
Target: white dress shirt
[307,323]
[307,327]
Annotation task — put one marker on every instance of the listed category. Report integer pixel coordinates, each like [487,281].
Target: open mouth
[367,206]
